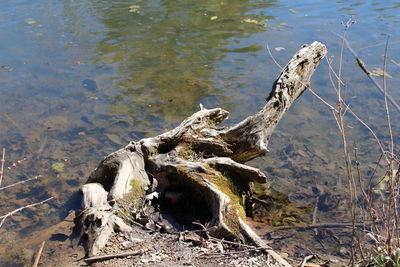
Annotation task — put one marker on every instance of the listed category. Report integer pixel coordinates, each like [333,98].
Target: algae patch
[58,167]
[133,200]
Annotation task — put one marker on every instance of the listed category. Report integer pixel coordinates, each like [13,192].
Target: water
[79,79]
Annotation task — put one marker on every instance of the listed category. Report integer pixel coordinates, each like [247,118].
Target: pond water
[79,79]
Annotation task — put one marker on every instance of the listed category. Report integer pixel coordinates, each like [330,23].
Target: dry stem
[4,217]
[37,257]
[2,165]
[20,182]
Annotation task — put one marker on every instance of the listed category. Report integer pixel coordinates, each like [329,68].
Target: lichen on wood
[198,160]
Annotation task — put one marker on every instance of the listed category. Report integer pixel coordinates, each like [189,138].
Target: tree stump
[198,164]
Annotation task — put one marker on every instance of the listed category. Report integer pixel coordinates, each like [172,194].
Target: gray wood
[200,156]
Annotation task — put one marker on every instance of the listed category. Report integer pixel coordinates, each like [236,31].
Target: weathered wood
[249,138]
[198,158]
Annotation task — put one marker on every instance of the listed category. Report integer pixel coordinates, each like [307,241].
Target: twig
[273,58]
[204,229]
[375,45]
[37,257]
[4,217]
[314,216]
[231,242]
[112,256]
[233,252]
[361,185]
[368,73]
[322,100]
[386,96]
[371,131]
[2,165]
[306,258]
[20,182]
[320,225]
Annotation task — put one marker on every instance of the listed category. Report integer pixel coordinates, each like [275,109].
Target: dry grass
[374,203]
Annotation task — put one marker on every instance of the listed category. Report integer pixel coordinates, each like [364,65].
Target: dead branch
[2,165]
[20,182]
[231,253]
[112,256]
[319,225]
[37,257]
[4,217]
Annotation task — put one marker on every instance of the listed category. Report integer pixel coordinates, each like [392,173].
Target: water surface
[79,79]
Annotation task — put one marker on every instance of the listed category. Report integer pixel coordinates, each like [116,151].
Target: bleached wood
[196,154]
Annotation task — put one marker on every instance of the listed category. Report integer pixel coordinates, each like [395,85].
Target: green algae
[133,200]
[58,167]
[234,209]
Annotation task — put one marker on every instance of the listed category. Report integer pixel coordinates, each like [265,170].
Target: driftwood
[197,164]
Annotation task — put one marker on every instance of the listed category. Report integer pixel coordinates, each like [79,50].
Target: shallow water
[79,79]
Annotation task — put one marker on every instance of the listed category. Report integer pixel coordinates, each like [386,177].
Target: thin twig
[2,165]
[320,225]
[4,217]
[273,58]
[315,212]
[112,256]
[230,242]
[322,100]
[368,73]
[307,258]
[233,252]
[20,182]
[361,184]
[341,124]
[370,130]
[37,257]
[331,70]
[204,229]
[375,45]
[385,97]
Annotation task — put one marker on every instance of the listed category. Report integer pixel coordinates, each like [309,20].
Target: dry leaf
[380,72]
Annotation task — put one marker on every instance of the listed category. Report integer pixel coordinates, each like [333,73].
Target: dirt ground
[154,249]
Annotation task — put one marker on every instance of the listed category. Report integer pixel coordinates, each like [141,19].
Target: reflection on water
[166,52]
[78,79]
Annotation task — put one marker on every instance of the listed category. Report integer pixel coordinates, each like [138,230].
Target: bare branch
[20,182]
[2,165]
[4,217]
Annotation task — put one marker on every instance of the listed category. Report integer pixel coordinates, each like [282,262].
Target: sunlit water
[79,79]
